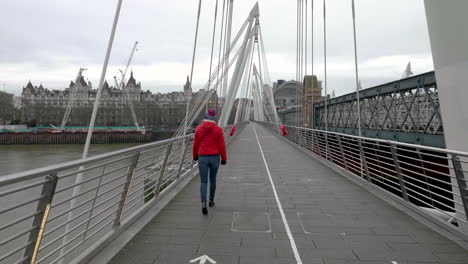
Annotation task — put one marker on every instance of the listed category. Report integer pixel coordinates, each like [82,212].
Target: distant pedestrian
[208,146]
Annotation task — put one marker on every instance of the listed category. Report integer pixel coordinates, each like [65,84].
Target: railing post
[326,145]
[126,190]
[342,152]
[363,159]
[307,139]
[182,159]
[40,220]
[301,137]
[398,170]
[459,174]
[298,136]
[94,202]
[163,168]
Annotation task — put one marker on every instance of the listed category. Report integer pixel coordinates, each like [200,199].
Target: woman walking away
[208,145]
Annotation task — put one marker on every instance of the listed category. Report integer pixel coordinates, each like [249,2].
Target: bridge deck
[331,219]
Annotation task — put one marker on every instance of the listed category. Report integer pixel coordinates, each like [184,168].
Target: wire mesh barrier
[432,179]
[54,214]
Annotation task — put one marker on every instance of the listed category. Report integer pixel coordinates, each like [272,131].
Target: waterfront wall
[72,138]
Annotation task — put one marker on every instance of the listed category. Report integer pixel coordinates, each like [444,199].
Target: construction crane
[71,98]
[122,86]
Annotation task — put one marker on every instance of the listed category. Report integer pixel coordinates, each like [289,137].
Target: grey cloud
[53,33]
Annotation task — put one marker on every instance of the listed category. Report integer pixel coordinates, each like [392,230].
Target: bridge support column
[449,42]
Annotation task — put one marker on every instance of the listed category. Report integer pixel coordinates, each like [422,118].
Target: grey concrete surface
[332,220]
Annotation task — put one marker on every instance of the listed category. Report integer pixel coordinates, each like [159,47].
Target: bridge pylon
[449,43]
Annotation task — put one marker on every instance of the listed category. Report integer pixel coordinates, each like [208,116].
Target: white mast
[449,43]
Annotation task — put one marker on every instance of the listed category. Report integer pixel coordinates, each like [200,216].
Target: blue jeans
[208,164]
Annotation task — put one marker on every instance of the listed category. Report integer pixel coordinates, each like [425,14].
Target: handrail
[422,147]
[47,205]
[433,180]
[26,175]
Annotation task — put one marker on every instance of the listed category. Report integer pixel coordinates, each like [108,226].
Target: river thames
[17,158]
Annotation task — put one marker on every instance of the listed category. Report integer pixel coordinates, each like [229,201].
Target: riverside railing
[48,216]
[428,179]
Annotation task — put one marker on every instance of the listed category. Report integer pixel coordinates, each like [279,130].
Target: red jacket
[209,140]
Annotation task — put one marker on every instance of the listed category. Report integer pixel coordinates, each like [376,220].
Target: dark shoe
[211,203]
[204,209]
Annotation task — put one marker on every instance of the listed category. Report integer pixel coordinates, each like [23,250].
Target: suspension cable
[217,69]
[212,43]
[202,94]
[188,98]
[312,60]
[297,41]
[305,38]
[325,61]
[304,97]
[218,90]
[266,76]
[266,71]
[228,47]
[300,59]
[298,47]
[248,75]
[201,98]
[325,73]
[301,65]
[212,48]
[356,67]
[357,74]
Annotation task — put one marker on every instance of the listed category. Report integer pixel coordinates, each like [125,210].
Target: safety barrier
[54,214]
[433,180]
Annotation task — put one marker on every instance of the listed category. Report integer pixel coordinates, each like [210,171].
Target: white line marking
[203,259]
[394,262]
[278,202]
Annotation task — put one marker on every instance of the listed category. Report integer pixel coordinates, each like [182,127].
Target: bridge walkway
[330,219]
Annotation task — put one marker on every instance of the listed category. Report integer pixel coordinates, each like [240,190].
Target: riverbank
[99,137]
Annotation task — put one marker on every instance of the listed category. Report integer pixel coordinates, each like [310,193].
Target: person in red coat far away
[208,146]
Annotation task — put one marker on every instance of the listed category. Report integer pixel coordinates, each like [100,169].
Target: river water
[17,158]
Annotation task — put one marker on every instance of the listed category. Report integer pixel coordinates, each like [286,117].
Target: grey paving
[331,219]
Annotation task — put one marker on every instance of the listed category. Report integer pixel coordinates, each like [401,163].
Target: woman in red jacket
[208,146]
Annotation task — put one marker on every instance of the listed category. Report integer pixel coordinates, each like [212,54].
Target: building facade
[41,106]
[7,108]
[312,93]
[294,100]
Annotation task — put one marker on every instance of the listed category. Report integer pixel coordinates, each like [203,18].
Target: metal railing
[434,180]
[54,214]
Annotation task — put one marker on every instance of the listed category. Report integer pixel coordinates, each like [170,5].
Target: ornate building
[42,106]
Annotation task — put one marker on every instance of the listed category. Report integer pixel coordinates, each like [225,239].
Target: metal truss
[405,110]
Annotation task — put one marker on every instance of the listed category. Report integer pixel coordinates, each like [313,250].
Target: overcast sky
[47,41]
